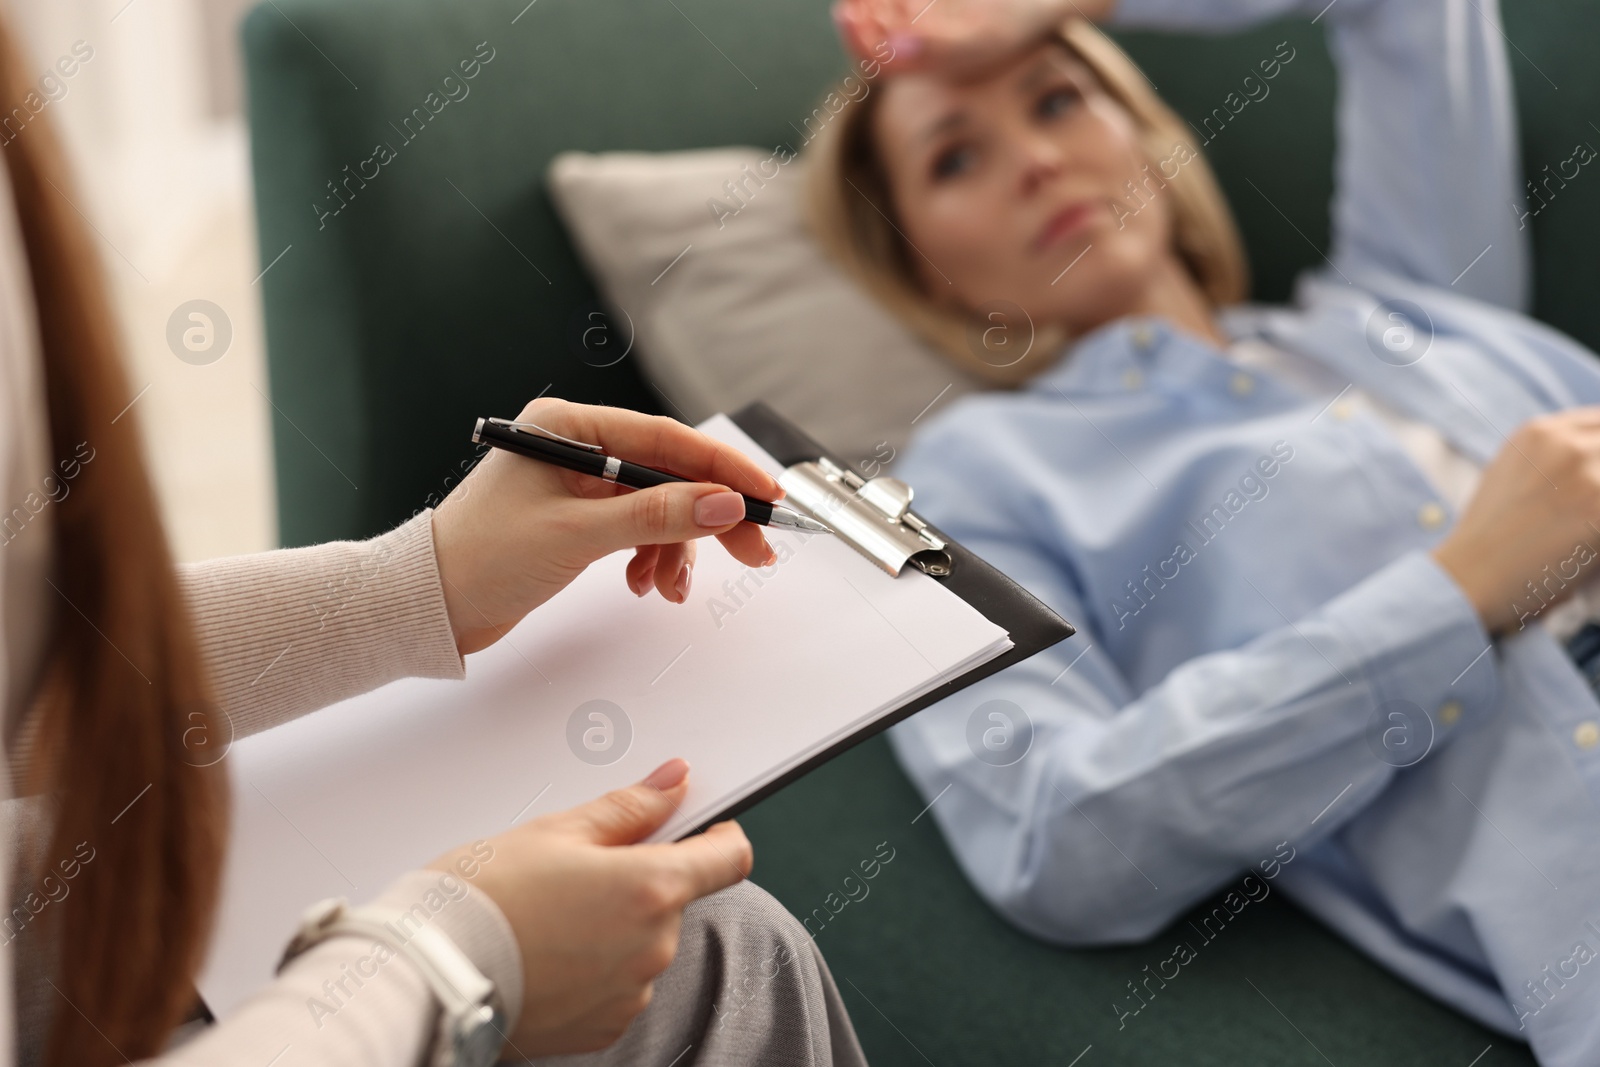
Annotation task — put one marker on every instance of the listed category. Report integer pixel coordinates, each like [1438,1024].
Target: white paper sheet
[755,673]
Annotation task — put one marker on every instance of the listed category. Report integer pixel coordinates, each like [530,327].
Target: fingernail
[772,557]
[668,774]
[684,577]
[646,580]
[719,509]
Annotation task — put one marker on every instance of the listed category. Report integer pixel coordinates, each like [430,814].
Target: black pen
[536,442]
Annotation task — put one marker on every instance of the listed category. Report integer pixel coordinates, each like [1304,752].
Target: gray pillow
[730,300]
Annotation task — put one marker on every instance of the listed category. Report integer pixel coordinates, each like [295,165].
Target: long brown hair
[851,213]
[122,691]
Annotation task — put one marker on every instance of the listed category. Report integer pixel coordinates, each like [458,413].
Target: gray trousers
[747,988]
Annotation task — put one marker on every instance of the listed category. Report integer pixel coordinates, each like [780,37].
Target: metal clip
[873,516]
[533,427]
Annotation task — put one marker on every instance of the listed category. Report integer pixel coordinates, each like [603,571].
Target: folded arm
[1132,806]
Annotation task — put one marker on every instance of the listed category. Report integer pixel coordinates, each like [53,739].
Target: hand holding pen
[514,532]
[545,445]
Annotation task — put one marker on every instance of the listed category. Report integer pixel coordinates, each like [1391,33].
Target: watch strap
[465,994]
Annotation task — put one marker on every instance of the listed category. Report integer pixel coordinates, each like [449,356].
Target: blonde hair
[849,209]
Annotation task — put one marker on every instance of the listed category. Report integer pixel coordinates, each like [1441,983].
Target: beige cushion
[752,310]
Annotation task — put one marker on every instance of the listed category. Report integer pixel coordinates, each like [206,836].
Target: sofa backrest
[419,277]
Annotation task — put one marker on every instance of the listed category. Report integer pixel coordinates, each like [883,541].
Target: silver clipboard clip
[873,516]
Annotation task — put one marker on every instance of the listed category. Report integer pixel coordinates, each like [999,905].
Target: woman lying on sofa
[1326,559]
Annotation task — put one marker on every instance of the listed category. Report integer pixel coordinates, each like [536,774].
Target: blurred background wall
[154,128]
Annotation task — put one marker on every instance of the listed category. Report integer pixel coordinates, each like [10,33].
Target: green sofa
[445,288]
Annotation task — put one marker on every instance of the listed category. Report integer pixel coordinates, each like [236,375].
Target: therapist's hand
[596,916]
[516,531]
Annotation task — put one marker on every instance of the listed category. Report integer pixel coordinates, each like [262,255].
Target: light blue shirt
[1265,643]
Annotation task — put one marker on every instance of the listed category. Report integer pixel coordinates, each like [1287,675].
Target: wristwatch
[471,1028]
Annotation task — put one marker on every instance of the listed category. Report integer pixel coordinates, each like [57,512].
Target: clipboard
[1032,625]
[435,762]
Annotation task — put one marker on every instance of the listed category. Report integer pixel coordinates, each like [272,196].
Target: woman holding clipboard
[123,676]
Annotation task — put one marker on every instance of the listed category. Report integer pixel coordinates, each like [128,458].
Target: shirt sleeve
[1428,174]
[286,632]
[351,1002]
[1127,808]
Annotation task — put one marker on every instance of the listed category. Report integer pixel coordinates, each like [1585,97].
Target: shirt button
[1132,378]
[1430,516]
[1449,712]
[1241,384]
[1587,735]
[1142,335]
[1343,409]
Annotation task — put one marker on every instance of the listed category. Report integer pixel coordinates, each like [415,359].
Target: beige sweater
[284,633]
[291,631]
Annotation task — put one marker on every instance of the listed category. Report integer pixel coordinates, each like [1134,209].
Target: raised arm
[1428,182]
[1428,179]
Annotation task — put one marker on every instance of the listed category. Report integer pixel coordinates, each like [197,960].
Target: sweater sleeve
[351,1002]
[284,633]
[290,631]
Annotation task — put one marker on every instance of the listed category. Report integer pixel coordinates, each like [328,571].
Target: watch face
[479,1037]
